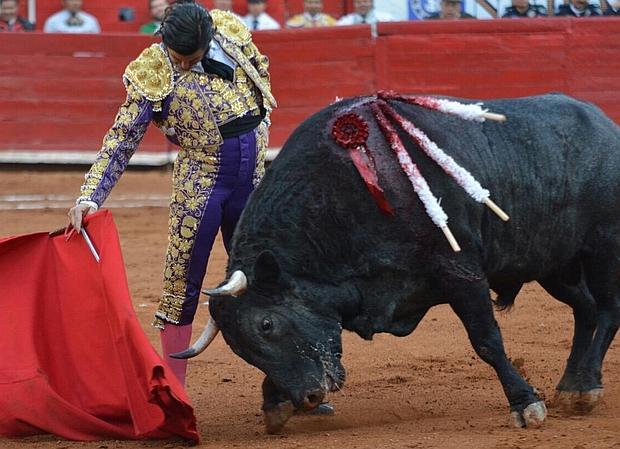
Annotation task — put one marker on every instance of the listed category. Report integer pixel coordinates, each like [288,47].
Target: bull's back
[555,167]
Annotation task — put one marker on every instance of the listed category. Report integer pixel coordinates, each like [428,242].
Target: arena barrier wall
[60,93]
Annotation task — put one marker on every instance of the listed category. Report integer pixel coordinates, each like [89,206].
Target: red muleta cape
[75,361]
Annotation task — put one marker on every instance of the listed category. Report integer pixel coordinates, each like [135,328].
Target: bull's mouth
[278,414]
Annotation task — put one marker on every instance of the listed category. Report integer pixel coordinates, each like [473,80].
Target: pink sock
[176,338]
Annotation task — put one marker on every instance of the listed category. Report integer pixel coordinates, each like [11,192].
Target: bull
[313,254]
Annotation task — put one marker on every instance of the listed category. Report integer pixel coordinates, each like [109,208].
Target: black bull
[320,256]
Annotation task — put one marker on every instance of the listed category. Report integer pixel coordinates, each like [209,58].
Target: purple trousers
[233,185]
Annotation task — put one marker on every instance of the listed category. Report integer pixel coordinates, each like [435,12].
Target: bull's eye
[266,325]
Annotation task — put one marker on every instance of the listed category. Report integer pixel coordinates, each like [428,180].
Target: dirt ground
[427,390]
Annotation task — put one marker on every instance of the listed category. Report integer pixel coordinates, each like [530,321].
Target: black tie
[363,19]
[218,68]
[255,24]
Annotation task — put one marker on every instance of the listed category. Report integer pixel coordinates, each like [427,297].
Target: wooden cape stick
[90,245]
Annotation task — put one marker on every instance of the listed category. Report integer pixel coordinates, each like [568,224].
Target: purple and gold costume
[212,176]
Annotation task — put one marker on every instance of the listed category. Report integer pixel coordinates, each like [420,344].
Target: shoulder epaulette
[230,27]
[151,73]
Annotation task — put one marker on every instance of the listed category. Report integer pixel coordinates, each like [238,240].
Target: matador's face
[185,62]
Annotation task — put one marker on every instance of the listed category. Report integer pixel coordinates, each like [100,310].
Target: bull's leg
[472,303]
[277,408]
[602,268]
[578,297]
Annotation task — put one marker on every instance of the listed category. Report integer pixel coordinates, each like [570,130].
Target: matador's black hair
[186,27]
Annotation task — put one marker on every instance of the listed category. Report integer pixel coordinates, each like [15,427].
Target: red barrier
[593,64]
[60,92]
[310,68]
[503,58]
[474,58]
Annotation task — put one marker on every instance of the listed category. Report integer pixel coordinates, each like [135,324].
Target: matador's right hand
[77,214]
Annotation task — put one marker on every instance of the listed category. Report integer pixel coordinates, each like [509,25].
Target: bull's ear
[266,269]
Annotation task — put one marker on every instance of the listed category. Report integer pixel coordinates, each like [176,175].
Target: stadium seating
[61,92]
[108,12]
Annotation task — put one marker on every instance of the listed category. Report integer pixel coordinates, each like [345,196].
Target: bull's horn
[211,330]
[235,286]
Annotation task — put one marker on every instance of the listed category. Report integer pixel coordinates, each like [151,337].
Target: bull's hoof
[563,401]
[278,416]
[532,416]
[578,402]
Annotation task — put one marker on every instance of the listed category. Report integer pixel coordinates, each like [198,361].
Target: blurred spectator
[579,8]
[71,20]
[613,9]
[364,12]
[9,20]
[157,8]
[398,9]
[450,10]
[312,16]
[224,5]
[257,18]
[522,8]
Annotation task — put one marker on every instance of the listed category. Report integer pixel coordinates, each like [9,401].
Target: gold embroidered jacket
[187,106]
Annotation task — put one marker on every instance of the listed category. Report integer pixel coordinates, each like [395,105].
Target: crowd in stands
[73,19]
[9,18]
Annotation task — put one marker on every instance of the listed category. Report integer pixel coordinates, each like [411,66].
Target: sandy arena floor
[427,390]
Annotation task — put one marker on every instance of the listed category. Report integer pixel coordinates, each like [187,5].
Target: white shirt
[57,23]
[399,9]
[217,53]
[371,18]
[265,22]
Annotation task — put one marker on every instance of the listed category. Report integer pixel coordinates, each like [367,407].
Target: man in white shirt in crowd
[364,12]
[613,9]
[312,17]
[71,20]
[257,18]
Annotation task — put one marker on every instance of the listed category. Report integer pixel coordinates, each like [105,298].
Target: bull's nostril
[313,400]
